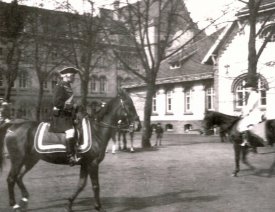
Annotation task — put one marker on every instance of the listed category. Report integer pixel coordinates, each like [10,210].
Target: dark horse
[229,125]
[19,139]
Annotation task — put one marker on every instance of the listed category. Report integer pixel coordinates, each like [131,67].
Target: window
[241,95]
[93,84]
[266,33]
[169,101]
[23,79]
[154,104]
[210,98]
[188,100]
[174,65]
[119,81]
[102,84]
[1,80]
[45,85]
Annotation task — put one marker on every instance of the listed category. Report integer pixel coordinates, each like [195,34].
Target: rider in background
[63,112]
[251,113]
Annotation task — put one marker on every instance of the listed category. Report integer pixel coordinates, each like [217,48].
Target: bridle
[125,124]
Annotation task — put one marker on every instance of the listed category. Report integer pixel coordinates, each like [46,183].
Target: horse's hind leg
[81,185]
[11,180]
[24,192]
[244,157]
[237,152]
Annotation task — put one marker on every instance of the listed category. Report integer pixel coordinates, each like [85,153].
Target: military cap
[68,70]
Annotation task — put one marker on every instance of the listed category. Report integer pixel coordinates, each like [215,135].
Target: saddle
[49,142]
[257,134]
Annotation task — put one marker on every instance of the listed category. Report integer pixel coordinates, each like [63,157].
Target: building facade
[229,55]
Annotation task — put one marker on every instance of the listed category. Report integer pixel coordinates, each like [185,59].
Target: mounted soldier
[64,112]
[251,114]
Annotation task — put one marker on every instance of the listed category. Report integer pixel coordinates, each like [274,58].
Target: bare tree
[42,41]
[252,8]
[85,46]
[12,35]
[154,27]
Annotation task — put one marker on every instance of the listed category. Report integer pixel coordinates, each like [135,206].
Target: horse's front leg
[237,152]
[80,186]
[93,172]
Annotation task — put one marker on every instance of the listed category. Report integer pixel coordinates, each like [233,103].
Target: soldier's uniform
[63,112]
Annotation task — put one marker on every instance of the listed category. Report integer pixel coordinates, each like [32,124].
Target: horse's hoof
[68,209]
[23,205]
[100,209]
[234,175]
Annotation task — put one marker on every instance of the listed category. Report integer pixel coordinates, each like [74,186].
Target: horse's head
[209,121]
[126,110]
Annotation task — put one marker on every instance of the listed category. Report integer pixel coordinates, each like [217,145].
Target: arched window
[94,84]
[23,79]
[241,95]
[268,32]
[102,84]
[169,127]
[188,127]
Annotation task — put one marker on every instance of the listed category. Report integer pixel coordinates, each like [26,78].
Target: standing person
[159,134]
[251,114]
[63,112]
[4,112]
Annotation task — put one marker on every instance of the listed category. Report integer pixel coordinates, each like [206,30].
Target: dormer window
[268,33]
[174,65]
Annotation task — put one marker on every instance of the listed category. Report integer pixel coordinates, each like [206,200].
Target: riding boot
[71,152]
[245,139]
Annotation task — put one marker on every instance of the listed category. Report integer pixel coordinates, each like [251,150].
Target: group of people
[63,110]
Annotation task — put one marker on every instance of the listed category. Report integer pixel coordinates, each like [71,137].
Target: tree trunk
[39,102]
[147,116]
[252,54]
[84,92]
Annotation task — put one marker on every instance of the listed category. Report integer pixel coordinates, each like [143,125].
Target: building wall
[232,63]
[180,120]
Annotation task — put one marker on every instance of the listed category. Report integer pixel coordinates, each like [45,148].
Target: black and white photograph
[137,105]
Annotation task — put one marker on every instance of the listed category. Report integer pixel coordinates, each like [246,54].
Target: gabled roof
[266,5]
[220,40]
[191,66]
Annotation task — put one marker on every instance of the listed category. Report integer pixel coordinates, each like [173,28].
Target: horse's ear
[121,92]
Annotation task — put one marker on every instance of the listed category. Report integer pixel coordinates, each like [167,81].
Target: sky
[200,10]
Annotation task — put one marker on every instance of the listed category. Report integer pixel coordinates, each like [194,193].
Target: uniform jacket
[251,112]
[62,118]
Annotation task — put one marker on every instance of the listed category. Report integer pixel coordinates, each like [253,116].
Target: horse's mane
[107,108]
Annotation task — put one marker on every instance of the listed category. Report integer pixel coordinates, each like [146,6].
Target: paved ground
[187,174]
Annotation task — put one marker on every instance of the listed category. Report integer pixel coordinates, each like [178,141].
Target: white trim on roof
[217,43]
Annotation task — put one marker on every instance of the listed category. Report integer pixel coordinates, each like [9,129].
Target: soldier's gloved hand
[68,106]
[56,111]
